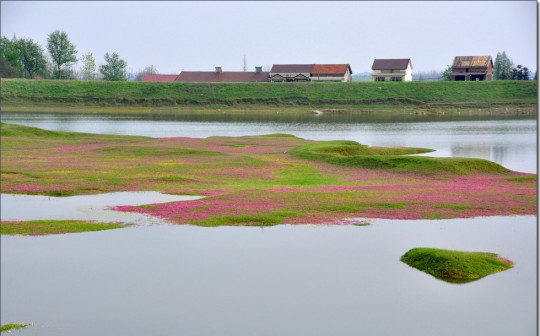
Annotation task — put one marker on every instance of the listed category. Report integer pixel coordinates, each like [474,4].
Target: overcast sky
[176,36]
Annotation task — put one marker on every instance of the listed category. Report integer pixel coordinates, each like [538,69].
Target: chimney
[218,69]
[258,69]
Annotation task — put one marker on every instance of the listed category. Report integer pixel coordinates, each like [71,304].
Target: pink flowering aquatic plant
[255,180]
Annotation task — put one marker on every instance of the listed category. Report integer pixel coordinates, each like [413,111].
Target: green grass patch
[8,327]
[526,178]
[138,150]
[46,227]
[13,130]
[352,154]
[271,219]
[303,175]
[455,266]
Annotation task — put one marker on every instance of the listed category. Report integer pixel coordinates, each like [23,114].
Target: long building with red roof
[278,73]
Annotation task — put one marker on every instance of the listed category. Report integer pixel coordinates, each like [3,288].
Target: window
[379,79]
[396,79]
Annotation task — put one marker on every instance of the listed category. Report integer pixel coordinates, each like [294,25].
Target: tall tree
[88,70]
[149,70]
[114,69]
[502,68]
[11,56]
[62,51]
[31,55]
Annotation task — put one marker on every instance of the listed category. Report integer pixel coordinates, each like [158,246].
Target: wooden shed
[472,68]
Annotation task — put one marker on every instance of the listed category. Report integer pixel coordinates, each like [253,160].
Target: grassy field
[455,266]
[20,94]
[258,180]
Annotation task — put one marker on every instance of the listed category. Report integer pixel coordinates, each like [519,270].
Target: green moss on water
[455,266]
[46,227]
[8,327]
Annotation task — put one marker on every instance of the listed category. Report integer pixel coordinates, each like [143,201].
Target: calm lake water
[283,280]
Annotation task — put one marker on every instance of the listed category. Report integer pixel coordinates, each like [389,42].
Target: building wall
[472,73]
[286,76]
[332,78]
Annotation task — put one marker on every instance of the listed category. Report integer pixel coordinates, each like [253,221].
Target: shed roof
[292,68]
[222,77]
[471,61]
[159,78]
[330,69]
[391,63]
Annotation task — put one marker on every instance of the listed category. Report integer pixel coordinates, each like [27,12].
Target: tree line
[25,58]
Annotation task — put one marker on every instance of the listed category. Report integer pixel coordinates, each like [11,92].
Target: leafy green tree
[114,69]
[88,71]
[502,68]
[7,70]
[62,52]
[447,73]
[31,55]
[149,70]
[11,56]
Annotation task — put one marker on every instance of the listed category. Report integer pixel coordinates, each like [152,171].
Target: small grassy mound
[455,266]
[45,227]
[14,326]
[352,154]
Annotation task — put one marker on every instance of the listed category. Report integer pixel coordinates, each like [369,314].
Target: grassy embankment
[138,97]
[261,180]
[455,266]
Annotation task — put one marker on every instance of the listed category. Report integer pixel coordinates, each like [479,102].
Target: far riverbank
[501,98]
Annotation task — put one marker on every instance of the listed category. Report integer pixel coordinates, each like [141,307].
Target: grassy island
[262,180]
[455,266]
[46,227]
[8,327]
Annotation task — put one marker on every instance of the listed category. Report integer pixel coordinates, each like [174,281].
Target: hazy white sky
[177,36]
